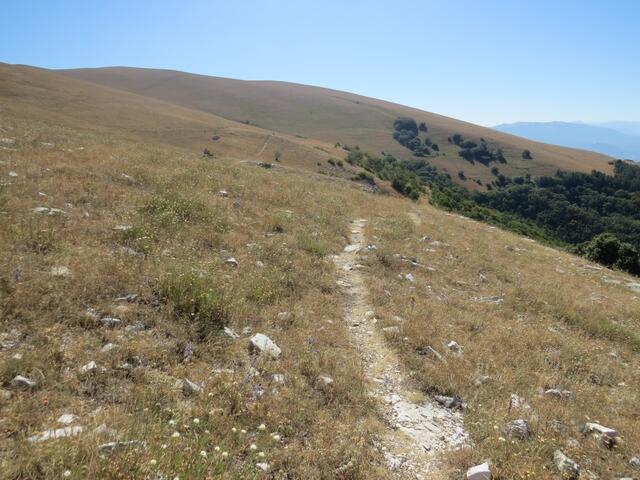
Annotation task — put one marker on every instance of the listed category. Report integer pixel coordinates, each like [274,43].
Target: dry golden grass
[557,325]
[560,325]
[170,257]
[335,116]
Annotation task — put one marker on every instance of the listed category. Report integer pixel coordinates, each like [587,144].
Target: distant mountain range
[616,139]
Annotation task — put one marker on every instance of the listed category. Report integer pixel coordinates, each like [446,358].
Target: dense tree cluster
[595,215]
[474,152]
[406,133]
[577,207]
[387,167]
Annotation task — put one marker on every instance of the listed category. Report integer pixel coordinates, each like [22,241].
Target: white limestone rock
[262,344]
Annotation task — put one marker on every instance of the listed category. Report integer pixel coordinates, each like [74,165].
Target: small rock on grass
[448,402]
[90,367]
[111,322]
[189,387]
[56,433]
[260,343]
[229,261]
[518,429]
[635,462]
[479,472]
[230,332]
[60,271]
[325,380]
[112,447]
[67,418]
[600,429]
[431,352]
[567,467]
[23,382]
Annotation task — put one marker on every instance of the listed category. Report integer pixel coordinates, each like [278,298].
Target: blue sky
[487,62]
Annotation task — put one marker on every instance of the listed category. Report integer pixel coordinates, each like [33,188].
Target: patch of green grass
[312,245]
[175,209]
[603,328]
[192,298]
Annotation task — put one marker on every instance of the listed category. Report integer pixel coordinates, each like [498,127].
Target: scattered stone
[57,433]
[479,472]
[325,380]
[122,228]
[567,467]
[90,367]
[264,466]
[60,271]
[279,378]
[23,382]
[246,331]
[454,346]
[430,352]
[394,329]
[369,315]
[230,332]
[223,193]
[112,447]
[352,248]
[8,141]
[108,347]
[448,402]
[495,300]
[190,388]
[600,430]
[229,261]
[635,462]
[263,344]
[557,393]
[284,315]
[135,328]
[409,277]
[130,298]
[111,322]
[344,284]
[518,402]
[13,174]
[67,418]
[49,211]
[518,429]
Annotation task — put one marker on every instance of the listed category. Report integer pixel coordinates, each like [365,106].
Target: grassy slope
[332,116]
[34,93]
[568,319]
[171,258]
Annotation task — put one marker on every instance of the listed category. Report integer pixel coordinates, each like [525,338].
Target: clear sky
[487,62]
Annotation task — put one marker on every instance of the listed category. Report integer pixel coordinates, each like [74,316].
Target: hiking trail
[417,432]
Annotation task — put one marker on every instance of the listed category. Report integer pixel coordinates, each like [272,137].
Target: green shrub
[193,299]
[175,209]
[608,250]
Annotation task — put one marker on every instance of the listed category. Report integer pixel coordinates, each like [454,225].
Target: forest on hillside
[595,214]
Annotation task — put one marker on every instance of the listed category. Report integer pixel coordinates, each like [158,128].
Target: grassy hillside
[39,94]
[123,245]
[334,116]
